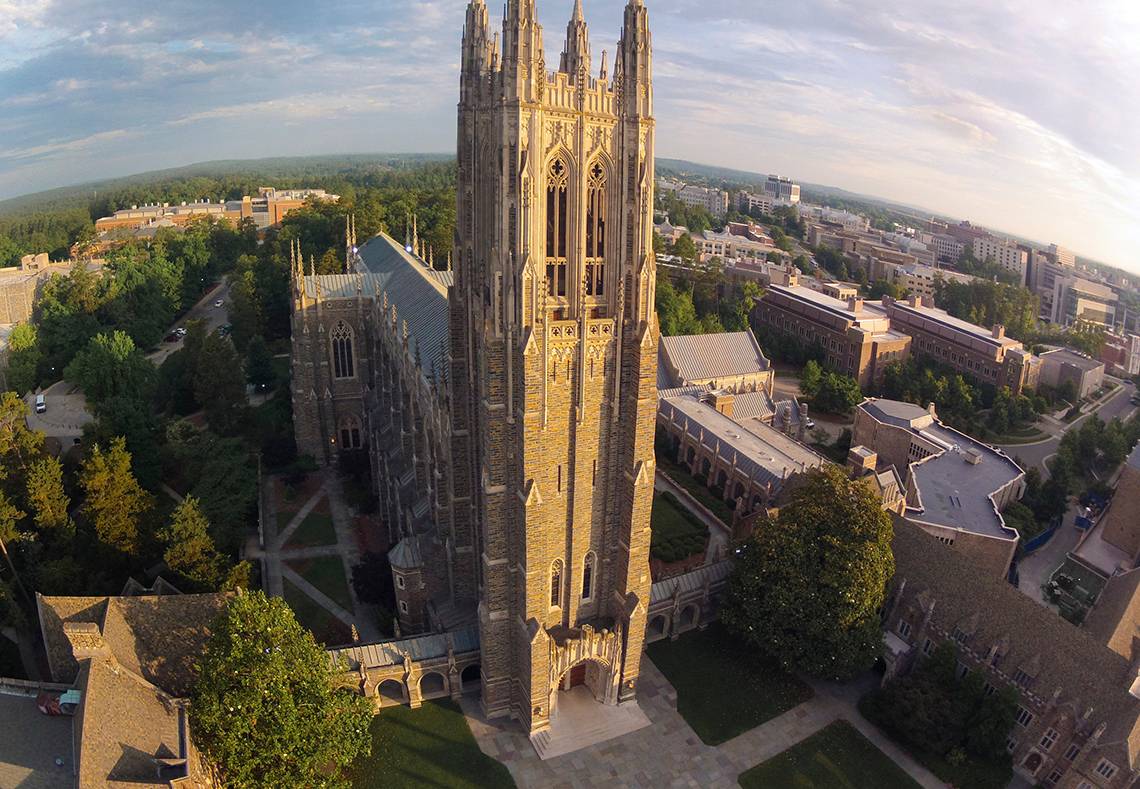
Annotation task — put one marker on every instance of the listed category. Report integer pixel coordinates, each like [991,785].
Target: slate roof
[418,292]
[709,356]
[1120,525]
[1115,620]
[712,574]
[391,653]
[157,637]
[1063,656]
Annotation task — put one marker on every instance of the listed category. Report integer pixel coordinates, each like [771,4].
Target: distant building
[1065,366]
[1077,299]
[947,248]
[1121,354]
[1063,256]
[985,354]
[782,190]
[738,241]
[732,362]
[855,337]
[956,487]
[715,201]
[920,280]
[835,216]
[267,209]
[21,286]
[751,202]
[1004,254]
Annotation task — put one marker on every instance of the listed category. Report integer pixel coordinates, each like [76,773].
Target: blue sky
[1020,114]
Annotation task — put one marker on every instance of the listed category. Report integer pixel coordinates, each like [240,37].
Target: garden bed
[677,533]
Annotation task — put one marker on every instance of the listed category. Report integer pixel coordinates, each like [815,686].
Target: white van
[41,404]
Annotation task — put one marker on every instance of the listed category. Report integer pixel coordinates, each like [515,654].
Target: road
[204,311]
[1119,405]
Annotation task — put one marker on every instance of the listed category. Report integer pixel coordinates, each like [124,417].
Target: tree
[190,551]
[685,249]
[19,446]
[810,378]
[24,358]
[837,394]
[806,589]
[259,365]
[219,385]
[47,498]
[113,498]
[675,311]
[10,516]
[112,366]
[269,708]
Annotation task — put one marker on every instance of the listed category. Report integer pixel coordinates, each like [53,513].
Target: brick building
[985,354]
[856,337]
[509,408]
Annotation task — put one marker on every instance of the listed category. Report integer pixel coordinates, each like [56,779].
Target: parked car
[172,337]
[180,331]
[41,404]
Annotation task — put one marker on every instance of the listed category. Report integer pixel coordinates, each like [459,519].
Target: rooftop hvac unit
[973,457]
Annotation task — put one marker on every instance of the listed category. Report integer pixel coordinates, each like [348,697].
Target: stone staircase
[579,722]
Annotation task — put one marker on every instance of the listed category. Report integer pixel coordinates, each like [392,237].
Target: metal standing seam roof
[753,404]
[690,582]
[391,653]
[708,356]
[418,292]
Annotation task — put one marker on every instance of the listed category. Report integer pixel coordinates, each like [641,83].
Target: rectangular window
[1011,744]
[1053,777]
[928,647]
[1024,717]
[904,628]
[403,606]
[400,581]
[988,689]
[1072,752]
[959,636]
[1106,769]
[1049,739]
[560,479]
[1022,679]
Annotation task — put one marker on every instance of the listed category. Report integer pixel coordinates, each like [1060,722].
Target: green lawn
[677,533]
[316,529]
[326,628]
[327,574]
[836,757]
[723,688]
[428,747]
[680,474]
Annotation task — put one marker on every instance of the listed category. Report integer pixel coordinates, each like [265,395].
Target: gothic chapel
[508,403]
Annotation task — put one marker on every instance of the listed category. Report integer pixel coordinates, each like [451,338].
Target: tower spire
[634,63]
[524,63]
[576,53]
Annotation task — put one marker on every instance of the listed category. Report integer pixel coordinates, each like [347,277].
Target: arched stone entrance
[585,658]
[470,680]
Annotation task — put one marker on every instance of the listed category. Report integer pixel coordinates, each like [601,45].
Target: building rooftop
[870,310]
[761,451]
[1070,357]
[425,647]
[710,356]
[954,486]
[948,321]
[419,294]
[31,742]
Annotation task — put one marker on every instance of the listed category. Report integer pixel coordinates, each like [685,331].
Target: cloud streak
[1021,115]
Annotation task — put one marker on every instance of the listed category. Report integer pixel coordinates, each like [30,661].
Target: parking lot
[66,412]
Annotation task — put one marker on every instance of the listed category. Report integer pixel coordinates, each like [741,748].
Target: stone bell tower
[553,357]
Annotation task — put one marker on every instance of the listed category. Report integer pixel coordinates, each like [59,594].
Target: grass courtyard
[677,534]
[428,747]
[835,757]
[723,688]
[695,487]
[327,574]
[316,529]
[325,627]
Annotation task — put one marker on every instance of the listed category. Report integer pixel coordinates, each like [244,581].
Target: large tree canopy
[807,587]
[267,710]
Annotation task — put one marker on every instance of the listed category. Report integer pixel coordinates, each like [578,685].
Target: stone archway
[432,685]
[389,692]
[656,628]
[471,678]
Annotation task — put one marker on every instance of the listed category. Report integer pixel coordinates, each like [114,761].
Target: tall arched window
[556,583]
[557,221]
[588,576]
[596,231]
[343,364]
[350,434]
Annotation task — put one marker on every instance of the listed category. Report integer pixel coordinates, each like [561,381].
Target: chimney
[999,331]
[855,304]
[723,402]
[86,640]
[804,414]
[915,301]
[931,410]
[862,460]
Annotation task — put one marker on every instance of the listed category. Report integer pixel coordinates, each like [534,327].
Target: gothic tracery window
[588,577]
[556,583]
[344,366]
[557,221]
[350,433]
[596,231]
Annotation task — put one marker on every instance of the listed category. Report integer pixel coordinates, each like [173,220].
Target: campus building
[956,487]
[856,337]
[508,407]
[732,362]
[985,354]
[1004,254]
[1062,366]
[265,210]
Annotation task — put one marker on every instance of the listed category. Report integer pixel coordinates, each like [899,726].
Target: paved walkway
[277,553]
[668,753]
